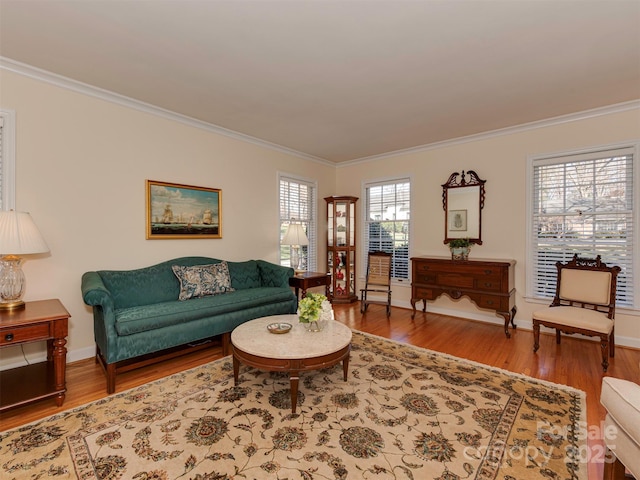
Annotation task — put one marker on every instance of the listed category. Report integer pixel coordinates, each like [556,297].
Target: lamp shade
[19,234]
[295,235]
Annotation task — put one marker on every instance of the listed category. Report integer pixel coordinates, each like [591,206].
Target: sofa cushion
[272,275]
[202,280]
[621,398]
[142,286]
[244,275]
[150,317]
[576,317]
[147,285]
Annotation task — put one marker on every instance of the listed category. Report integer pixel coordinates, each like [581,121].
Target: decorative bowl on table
[279,327]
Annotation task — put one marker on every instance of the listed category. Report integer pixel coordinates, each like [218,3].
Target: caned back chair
[378,282]
[584,303]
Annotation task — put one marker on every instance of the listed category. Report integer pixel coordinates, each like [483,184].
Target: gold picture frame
[177,211]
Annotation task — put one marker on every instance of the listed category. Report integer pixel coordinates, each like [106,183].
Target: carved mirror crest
[463,201]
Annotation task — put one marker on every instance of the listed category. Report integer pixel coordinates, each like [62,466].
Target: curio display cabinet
[341,248]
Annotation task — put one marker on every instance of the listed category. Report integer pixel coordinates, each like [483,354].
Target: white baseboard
[523,324]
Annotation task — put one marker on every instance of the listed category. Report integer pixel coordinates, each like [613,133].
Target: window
[7,159]
[387,222]
[583,203]
[298,204]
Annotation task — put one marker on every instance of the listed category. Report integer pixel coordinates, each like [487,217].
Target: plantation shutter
[387,223]
[298,203]
[583,204]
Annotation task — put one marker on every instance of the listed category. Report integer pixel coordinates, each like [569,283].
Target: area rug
[403,413]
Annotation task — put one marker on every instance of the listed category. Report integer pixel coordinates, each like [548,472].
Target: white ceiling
[335,79]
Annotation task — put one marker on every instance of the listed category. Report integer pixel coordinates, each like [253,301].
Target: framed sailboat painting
[183,211]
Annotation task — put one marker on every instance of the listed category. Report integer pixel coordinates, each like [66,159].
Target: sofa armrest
[97,295]
[272,275]
[94,291]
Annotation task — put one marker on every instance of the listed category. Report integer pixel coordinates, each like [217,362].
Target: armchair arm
[272,275]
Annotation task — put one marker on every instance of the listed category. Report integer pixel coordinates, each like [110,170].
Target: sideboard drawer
[491,284]
[421,292]
[489,301]
[20,334]
[455,280]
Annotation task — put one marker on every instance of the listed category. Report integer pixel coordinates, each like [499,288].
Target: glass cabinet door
[341,246]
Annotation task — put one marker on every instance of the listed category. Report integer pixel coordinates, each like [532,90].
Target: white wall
[81,168]
[82,163]
[501,160]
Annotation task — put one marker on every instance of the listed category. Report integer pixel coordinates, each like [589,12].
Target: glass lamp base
[11,305]
[11,282]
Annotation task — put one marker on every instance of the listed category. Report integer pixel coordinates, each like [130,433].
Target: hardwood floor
[576,362]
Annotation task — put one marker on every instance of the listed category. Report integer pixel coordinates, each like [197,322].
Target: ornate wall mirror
[463,201]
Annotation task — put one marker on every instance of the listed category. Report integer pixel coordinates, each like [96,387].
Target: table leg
[508,318]
[59,356]
[293,383]
[345,367]
[413,306]
[236,370]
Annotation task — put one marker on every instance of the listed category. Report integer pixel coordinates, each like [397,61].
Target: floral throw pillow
[203,280]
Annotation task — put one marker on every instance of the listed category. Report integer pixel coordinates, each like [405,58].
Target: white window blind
[298,203]
[387,222]
[583,204]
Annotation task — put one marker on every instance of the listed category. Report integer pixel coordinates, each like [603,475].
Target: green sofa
[138,318]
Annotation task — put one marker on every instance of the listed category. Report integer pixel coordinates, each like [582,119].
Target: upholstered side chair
[584,303]
[378,282]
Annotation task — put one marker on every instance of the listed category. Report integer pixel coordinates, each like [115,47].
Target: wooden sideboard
[488,283]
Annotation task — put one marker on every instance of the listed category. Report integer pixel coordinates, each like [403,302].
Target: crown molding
[108,96]
[572,117]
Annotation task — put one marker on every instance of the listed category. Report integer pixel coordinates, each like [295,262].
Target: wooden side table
[37,321]
[305,280]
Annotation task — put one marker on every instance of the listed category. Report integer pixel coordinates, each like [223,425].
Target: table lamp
[18,236]
[295,237]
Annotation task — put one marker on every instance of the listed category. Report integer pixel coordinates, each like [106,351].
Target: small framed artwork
[458,220]
[183,211]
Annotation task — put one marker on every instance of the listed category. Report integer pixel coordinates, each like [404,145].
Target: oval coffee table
[296,351]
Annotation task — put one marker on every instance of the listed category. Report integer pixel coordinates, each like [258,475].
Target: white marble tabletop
[254,338]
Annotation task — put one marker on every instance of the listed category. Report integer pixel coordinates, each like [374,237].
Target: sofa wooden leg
[111,378]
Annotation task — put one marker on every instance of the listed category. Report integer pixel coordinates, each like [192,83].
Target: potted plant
[460,248]
[311,309]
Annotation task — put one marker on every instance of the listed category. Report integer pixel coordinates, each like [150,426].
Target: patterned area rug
[404,413]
